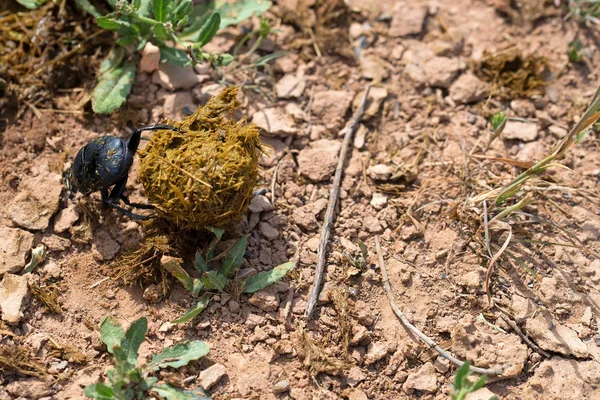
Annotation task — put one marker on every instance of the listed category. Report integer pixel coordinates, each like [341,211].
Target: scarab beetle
[105,162]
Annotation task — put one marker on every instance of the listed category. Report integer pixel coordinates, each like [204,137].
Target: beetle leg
[136,205]
[134,140]
[129,213]
[105,198]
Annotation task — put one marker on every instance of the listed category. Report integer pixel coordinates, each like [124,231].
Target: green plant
[575,51]
[225,278]
[357,259]
[584,10]
[128,380]
[462,387]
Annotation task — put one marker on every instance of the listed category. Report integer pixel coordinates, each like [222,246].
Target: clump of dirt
[44,50]
[203,174]
[513,75]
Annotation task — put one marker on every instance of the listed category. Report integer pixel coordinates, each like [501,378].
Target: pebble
[65,218]
[56,243]
[377,351]
[379,201]
[172,77]
[275,122]
[355,376]
[290,86]
[36,201]
[211,376]
[374,68]
[424,380]
[268,231]
[13,293]
[281,387]
[468,89]
[408,21]
[150,58]
[518,130]
[379,172]
[552,336]
[441,71]
[358,394]
[318,162]
[331,106]
[265,300]
[372,225]
[176,102]
[374,101]
[15,244]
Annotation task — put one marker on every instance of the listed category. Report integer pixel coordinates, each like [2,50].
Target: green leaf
[235,258]
[171,393]
[233,12]
[127,39]
[270,57]
[112,3]
[364,250]
[134,337]
[182,11]
[266,278]
[38,255]
[179,355]
[479,384]
[174,56]
[108,22]
[160,8]
[99,391]
[88,7]
[31,4]
[218,232]
[113,88]
[461,376]
[111,333]
[208,30]
[198,286]
[114,59]
[214,280]
[160,32]
[223,59]
[173,265]
[192,312]
[200,263]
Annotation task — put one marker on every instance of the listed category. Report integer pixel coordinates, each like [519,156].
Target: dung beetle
[105,162]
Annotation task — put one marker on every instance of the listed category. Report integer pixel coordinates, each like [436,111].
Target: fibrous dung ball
[205,174]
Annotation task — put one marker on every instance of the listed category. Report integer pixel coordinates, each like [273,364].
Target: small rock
[13,293]
[374,101]
[523,131]
[152,294]
[472,281]
[424,380]
[150,58]
[176,102]
[358,394]
[441,71]
[379,172]
[211,376]
[15,244]
[36,201]
[372,225]
[234,306]
[468,89]
[259,335]
[376,352]
[260,204]
[359,142]
[379,201]
[105,246]
[318,162]
[65,218]
[265,300]
[290,86]
[281,387]
[481,394]
[441,365]
[172,77]
[408,21]
[268,231]
[586,318]
[166,327]
[254,320]
[56,243]
[360,334]
[52,270]
[355,376]
[274,150]
[557,131]
[275,122]
[547,333]
[331,105]
[29,388]
[374,68]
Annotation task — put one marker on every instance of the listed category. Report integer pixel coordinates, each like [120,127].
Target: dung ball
[205,174]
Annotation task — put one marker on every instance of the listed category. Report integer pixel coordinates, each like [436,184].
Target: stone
[318,162]
[56,243]
[176,102]
[372,225]
[374,101]
[15,244]
[290,86]
[211,376]
[586,318]
[558,378]
[268,231]
[66,218]
[166,327]
[13,293]
[105,247]
[281,387]
[441,71]
[260,204]
[424,380]
[408,21]
[374,68]
[377,351]
[331,106]
[150,58]
[481,394]
[28,388]
[265,300]
[358,394]
[360,334]
[518,130]
[468,89]
[355,376]
[172,77]
[36,201]
[441,365]
[379,172]
[550,335]
[275,122]
[472,281]
[379,201]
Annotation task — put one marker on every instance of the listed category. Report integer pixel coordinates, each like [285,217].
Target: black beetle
[105,162]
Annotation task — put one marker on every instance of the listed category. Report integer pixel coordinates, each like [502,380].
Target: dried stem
[333,197]
[415,330]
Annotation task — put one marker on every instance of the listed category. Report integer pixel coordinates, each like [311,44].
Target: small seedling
[575,51]
[358,259]
[462,387]
[128,380]
[584,11]
[225,278]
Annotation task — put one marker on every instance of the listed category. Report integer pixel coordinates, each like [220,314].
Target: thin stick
[415,330]
[333,197]
[488,274]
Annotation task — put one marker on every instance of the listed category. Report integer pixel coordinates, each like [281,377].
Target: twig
[333,197]
[415,330]
[488,274]
[93,285]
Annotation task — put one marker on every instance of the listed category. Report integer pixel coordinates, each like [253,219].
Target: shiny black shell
[100,164]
